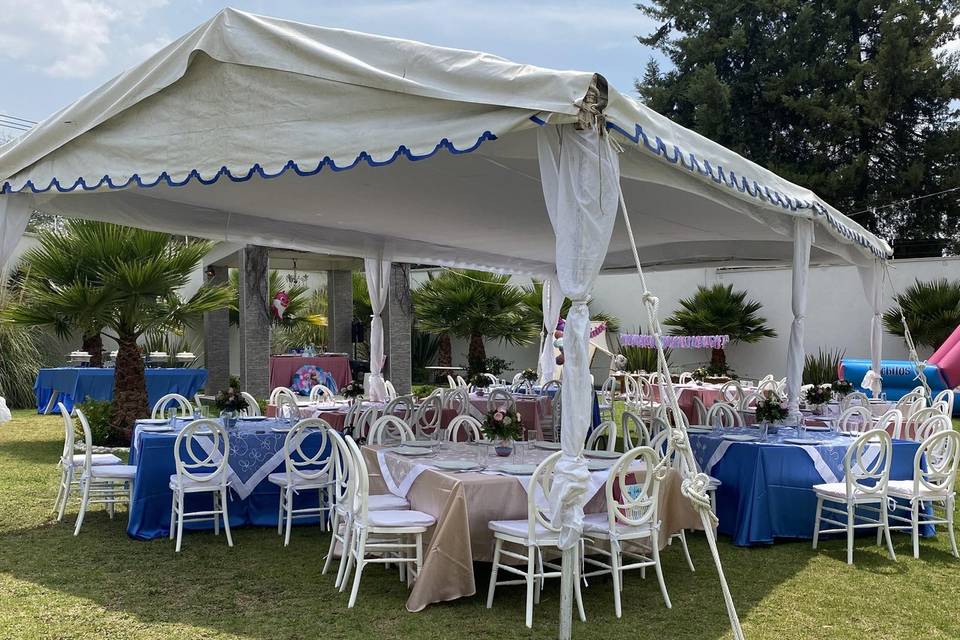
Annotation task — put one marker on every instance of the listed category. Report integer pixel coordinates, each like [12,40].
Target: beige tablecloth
[463,504]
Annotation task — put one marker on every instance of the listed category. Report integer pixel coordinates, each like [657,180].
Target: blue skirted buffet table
[76,384]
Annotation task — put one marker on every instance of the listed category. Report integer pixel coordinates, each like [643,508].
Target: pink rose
[498,416]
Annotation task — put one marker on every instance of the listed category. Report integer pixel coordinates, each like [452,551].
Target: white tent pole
[872,280]
[377,272]
[551,300]
[802,240]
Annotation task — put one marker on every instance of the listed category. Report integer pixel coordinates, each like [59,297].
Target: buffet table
[75,384]
[283,367]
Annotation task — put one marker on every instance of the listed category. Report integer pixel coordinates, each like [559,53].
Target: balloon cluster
[558,336]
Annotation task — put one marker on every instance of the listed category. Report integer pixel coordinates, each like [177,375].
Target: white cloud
[69,38]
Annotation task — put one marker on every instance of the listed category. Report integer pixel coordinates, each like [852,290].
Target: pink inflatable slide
[947,358]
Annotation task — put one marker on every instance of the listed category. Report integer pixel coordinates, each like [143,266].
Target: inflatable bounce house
[900,376]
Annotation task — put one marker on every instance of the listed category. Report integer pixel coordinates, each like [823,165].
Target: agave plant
[132,291]
[423,352]
[640,359]
[476,305]
[932,310]
[719,310]
[823,367]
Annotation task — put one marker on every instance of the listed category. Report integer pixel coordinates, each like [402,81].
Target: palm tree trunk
[477,354]
[718,360]
[93,344]
[129,387]
[445,353]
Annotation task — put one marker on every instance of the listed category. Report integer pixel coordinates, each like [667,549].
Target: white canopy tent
[244,130]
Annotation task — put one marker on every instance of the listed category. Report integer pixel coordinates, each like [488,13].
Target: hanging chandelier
[297,279]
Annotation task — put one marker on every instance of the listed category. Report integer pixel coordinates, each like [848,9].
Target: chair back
[854,398]
[365,421]
[253,407]
[358,491]
[287,406]
[749,401]
[402,407]
[607,429]
[658,425]
[685,378]
[631,422]
[276,391]
[946,396]
[461,382]
[855,419]
[457,400]
[297,462]
[933,424]
[343,469]
[354,410]
[609,390]
[723,415]
[501,400]
[391,390]
[183,406]
[699,409]
[87,440]
[451,382]
[470,427]
[891,422]
[428,416]
[631,390]
[866,465]
[935,463]
[492,378]
[69,436]
[537,495]
[202,445]
[767,385]
[321,393]
[389,428]
[633,492]
[911,403]
[911,425]
[731,392]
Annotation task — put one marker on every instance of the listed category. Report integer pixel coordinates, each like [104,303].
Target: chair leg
[655,547]
[333,545]
[419,558]
[179,521]
[816,522]
[83,506]
[111,496]
[531,572]
[283,496]
[360,549]
[915,527]
[349,551]
[226,516]
[493,572]
[173,513]
[216,516]
[953,539]
[60,501]
[851,512]
[576,587]
[289,525]
[686,550]
[617,577]
[344,554]
[886,530]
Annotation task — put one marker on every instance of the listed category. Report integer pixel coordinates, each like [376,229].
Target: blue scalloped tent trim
[255,170]
[742,184]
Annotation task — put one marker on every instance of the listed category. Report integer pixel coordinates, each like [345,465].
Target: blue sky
[54,51]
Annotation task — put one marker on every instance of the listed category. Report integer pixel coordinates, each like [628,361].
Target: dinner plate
[549,446]
[801,441]
[405,450]
[429,444]
[698,430]
[156,428]
[599,465]
[517,469]
[281,429]
[455,465]
[326,406]
[154,421]
[252,418]
[738,437]
[608,455]
[816,427]
[851,434]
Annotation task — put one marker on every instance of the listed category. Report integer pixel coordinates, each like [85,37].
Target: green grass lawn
[104,585]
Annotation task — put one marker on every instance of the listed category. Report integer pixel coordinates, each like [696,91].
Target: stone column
[216,339]
[339,310]
[399,323]
[254,322]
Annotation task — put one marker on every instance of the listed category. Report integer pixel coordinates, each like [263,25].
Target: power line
[24,120]
[9,125]
[902,202]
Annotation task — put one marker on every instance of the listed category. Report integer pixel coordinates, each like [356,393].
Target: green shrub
[821,368]
[423,390]
[99,414]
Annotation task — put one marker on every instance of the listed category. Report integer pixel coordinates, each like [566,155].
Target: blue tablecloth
[75,384]
[255,451]
[767,487]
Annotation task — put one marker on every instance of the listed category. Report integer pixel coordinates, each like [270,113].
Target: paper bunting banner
[674,342]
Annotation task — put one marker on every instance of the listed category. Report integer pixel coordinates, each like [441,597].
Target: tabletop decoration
[817,396]
[479,382]
[352,391]
[502,427]
[230,402]
[699,375]
[771,412]
[841,387]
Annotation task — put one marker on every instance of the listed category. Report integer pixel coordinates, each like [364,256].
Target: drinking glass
[533,436]
[482,451]
[518,452]
[204,411]
[171,415]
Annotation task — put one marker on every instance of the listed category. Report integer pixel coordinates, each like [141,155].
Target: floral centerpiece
[841,387]
[352,391]
[817,396]
[771,409]
[230,402]
[529,375]
[480,381]
[502,427]
[699,374]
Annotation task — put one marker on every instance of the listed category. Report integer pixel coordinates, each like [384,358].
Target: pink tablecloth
[531,410]
[282,368]
[708,394]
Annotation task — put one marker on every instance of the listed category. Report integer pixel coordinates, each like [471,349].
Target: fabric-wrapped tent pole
[872,280]
[802,240]
[14,215]
[552,300]
[377,272]
[580,175]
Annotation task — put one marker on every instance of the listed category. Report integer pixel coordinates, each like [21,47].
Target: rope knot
[695,490]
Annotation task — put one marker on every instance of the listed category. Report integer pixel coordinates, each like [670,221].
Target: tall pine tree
[856,99]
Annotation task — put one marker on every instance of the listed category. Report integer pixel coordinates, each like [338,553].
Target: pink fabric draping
[282,368]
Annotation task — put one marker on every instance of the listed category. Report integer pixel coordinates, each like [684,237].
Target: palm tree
[719,310]
[131,292]
[310,326]
[298,299]
[533,301]
[476,305]
[932,310]
[362,310]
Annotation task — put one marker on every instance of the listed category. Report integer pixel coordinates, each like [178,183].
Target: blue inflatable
[899,376]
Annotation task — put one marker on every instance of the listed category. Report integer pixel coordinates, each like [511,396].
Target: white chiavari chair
[685,378]
[632,423]
[945,397]
[451,382]
[731,392]
[854,398]
[631,391]
[768,386]
[866,467]
[391,390]
[891,422]
[321,393]
[501,400]
[201,454]
[749,401]
[932,425]
[253,407]
[387,532]
[855,419]
[551,396]
[911,403]
[724,416]
[462,383]
[934,482]
[607,396]
[304,472]
[494,381]
[365,421]
[71,462]
[108,484]
[402,407]
[389,429]
[457,400]
[171,401]
[699,410]
[911,425]
[603,437]
[532,535]
[428,416]
[463,429]
[631,525]
[287,406]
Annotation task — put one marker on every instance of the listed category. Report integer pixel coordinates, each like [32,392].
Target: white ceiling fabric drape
[552,299]
[377,272]
[872,280]
[14,214]
[802,241]
[579,173]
